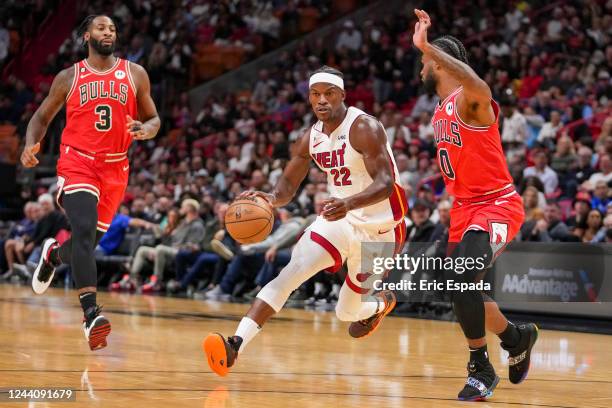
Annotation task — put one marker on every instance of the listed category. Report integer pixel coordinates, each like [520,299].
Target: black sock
[88,302]
[479,354]
[511,336]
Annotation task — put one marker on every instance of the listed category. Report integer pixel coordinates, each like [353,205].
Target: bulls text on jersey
[96,89]
[441,132]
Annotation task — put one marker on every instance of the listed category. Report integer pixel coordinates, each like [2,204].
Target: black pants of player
[78,251]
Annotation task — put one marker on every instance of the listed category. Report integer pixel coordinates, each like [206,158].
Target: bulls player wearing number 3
[367,205]
[104,95]
[487,211]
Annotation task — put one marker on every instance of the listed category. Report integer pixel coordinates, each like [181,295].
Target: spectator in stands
[594,226]
[422,228]
[541,170]
[514,128]
[190,264]
[397,130]
[548,229]
[605,231]
[605,171]
[564,162]
[440,232]
[582,207]
[548,133]
[349,38]
[531,202]
[122,221]
[426,103]
[601,197]
[12,248]
[51,223]
[187,235]
[585,168]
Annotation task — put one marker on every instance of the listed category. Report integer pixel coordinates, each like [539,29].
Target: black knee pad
[469,304]
[474,246]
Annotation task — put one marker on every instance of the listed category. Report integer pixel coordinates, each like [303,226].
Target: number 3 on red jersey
[105,118]
[445,163]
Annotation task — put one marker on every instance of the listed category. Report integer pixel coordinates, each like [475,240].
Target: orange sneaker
[221,353]
[362,328]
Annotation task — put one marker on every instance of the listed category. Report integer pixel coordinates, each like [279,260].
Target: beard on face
[430,83]
[101,48]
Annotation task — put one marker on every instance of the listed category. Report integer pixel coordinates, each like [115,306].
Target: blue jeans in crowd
[242,266]
[270,270]
[189,265]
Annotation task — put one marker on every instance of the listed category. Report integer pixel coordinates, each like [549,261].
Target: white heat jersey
[347,174]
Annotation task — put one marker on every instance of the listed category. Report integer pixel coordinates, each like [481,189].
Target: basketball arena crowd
[548,65]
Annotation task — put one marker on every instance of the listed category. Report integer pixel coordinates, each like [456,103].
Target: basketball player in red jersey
[487,211]
[102,94]
[367,205]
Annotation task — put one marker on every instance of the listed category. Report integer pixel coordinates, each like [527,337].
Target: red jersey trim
[111,69]
[129,75]
[74,80]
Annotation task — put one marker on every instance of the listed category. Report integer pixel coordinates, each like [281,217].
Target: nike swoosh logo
[125,168]
[500,202]
[383,232]
[316,144]
[85,75]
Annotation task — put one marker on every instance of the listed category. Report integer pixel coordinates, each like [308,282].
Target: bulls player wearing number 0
[104,97]
[487,212]
[366,205]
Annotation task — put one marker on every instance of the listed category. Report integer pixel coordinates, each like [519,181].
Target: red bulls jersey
[96,108]
[471,158]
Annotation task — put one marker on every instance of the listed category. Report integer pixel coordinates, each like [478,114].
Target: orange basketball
[249,220]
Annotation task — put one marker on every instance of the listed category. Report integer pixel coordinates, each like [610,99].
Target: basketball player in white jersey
[366,205]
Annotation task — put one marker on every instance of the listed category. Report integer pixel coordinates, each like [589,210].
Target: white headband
[327,78]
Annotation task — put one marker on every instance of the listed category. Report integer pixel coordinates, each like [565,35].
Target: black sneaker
[96,328]
[520,355]
[221,353]
[480,383]
[43,274]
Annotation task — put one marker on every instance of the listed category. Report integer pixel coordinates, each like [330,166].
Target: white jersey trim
[74,81]
[111,69]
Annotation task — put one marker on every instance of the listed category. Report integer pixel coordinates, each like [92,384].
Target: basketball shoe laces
[47,267]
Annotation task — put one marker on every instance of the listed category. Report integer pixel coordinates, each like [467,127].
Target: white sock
[368,309]
[247,329]
[318,288]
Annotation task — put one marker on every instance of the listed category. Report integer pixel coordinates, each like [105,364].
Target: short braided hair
[452,46]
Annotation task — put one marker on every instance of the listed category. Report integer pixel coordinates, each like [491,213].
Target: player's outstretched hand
[28,156]
[420,29]
[138,130]
[245,195]
[334,209]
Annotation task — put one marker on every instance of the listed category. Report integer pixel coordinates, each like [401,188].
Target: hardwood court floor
[301,359]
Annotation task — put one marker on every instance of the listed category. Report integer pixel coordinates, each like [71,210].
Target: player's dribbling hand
[419,37]
[137,129]
[28,156]
[246,195]
[334,209]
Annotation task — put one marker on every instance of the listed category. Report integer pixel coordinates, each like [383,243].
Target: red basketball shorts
[501,217]
[103,175]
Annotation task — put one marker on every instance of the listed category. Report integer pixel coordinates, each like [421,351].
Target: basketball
[249,220]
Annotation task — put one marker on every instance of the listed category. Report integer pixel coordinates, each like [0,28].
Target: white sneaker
[43,274]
